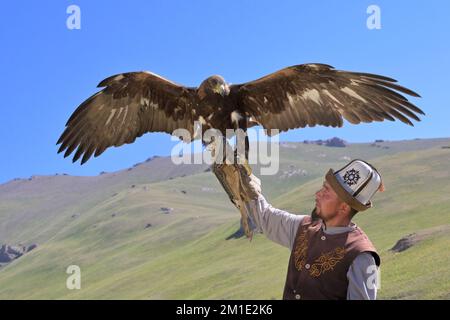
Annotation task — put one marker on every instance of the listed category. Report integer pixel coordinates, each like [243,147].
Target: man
[331,257]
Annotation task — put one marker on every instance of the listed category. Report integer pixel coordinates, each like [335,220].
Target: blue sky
[48,70]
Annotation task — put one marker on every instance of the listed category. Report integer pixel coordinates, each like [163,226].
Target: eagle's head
[213,85]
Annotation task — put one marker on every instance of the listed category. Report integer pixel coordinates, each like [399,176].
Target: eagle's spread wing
[316,94]
[130,105]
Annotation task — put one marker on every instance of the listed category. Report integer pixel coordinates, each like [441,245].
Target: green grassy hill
[113,228]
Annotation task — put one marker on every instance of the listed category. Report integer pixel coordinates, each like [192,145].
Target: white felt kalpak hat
[356,183]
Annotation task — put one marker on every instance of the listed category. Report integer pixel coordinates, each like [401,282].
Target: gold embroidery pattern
[301,249]
[327,262]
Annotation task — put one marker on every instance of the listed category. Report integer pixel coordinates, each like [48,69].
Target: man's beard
[314,214]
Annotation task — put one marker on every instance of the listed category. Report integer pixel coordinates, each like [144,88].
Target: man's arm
[362,278]
[278,225]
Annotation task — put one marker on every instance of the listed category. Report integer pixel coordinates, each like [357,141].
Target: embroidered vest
[319,262]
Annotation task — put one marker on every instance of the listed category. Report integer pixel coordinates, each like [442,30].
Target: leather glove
[242,186]
[251,185]
[238,181]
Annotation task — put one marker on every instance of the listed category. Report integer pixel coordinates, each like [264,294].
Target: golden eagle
[134,103]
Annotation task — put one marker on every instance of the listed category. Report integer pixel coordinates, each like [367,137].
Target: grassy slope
[184,254]
[35,209]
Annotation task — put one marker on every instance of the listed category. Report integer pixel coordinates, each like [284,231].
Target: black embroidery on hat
[351,177]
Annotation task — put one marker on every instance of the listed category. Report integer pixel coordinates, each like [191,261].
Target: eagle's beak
[222,89]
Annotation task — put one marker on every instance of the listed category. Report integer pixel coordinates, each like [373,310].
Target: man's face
[327,202]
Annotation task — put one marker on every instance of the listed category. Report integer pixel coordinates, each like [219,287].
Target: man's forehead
[328,186]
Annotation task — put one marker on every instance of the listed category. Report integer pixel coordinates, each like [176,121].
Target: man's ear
[344,208]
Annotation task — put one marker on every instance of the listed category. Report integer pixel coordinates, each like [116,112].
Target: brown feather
[92,128]
[328,96]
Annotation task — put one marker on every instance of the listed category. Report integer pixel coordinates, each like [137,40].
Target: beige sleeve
[278,225]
